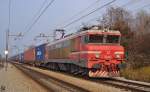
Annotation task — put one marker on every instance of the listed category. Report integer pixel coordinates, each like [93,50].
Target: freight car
[29,55]
[40,54]
[18,58]
[14,58]
[35,55]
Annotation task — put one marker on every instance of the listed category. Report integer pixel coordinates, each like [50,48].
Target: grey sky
[22,12]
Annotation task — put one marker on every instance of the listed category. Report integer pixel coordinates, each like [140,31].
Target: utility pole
[7,45]
[0,59]
[7,37]
[6,51]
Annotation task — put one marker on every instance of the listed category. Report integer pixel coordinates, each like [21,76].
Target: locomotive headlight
[118,54]
[97,55]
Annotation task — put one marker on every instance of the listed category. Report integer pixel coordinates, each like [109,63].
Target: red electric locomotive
[94,52]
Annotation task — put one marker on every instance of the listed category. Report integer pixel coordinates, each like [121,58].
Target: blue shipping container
[40,52]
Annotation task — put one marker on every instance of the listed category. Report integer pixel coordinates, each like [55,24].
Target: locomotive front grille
[107,60]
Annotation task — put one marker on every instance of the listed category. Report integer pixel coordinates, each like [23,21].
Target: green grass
[140,74]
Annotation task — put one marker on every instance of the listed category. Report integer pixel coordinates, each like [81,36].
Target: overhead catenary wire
[88,14]
[78,13]
[30,27]
[37,13]
[124,5]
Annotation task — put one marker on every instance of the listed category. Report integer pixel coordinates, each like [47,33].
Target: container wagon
[29,56]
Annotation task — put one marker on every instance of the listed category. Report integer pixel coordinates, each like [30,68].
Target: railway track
[133,86]
[128,85]
[51,83]
[122,83]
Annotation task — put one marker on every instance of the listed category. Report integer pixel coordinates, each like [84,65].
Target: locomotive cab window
[85,39]
[99,38]
[95,38]
[112,39]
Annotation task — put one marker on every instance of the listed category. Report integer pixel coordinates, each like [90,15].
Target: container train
[92,52]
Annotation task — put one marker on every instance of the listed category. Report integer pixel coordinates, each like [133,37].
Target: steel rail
[39,77]
[135,87]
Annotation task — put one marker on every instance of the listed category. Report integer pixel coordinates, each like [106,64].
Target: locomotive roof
[91,31]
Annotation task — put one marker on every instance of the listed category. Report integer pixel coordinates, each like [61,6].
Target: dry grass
[141,74]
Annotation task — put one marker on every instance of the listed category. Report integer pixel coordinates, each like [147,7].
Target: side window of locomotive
[84,39]
[72,44]
[112,39]
[66,43]
[96,39]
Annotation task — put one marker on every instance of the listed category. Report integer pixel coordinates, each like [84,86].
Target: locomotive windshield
[99,38]
[96,39]
[112,39]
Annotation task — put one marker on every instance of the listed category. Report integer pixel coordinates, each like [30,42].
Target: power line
[85,9]
[88,14]
[50,3]
[38,12]
[124,5]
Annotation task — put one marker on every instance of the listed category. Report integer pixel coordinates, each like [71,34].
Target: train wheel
[56,67]
[62,67]
[68,66]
